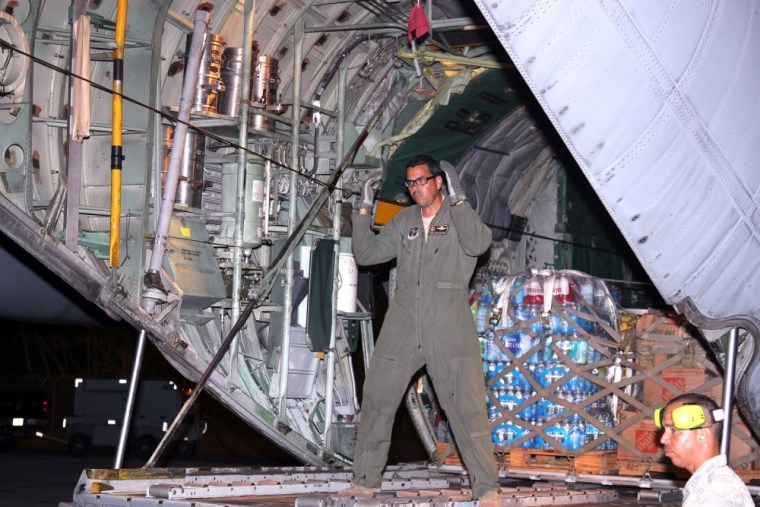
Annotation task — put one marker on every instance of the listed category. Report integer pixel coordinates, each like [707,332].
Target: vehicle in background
[99,411]
[23,410]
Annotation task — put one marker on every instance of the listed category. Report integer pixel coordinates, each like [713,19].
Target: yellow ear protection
[688,417]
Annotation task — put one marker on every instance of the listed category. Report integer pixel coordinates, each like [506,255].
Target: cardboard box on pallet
[678,380]
[674,362]
[666,347]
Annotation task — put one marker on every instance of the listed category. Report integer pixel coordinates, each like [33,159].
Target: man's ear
[702,434]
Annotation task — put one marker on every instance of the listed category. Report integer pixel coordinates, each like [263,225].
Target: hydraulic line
[116,147]
[152,277]
[237,250]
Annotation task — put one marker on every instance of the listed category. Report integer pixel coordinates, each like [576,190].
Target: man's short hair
[707,404]
[422,159]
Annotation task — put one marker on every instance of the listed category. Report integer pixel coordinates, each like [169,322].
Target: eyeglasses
[422,180]
[673,429]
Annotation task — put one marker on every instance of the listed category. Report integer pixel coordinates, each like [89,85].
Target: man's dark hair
[707,404]
[422,159]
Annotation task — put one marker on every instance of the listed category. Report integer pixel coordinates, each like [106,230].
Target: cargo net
[549,343]
[569,375]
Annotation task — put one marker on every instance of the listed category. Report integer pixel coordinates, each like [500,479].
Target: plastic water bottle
[488,370]
[529,412]
[562,293]
[538,440]
[604,419]
[542,408]
[499,435]
[481,320]
[506,433]
[575,398]
[566,325]
[521,382]
[557,433]
[585,321]
[565,345]
[519,297]
[491,352]
[526,343]
[592,434]
[587,291]
[513,343]
[534,294]
[498,368]
[576,437]
[552,374]
[508,400]
[508,378]
[580,351]
[493,410]
[549,355]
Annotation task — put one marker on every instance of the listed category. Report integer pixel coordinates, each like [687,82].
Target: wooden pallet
[634,467]
[592,462]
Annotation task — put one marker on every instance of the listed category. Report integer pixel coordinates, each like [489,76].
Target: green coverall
[428,323]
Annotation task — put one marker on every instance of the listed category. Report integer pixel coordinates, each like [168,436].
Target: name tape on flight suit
[438,230]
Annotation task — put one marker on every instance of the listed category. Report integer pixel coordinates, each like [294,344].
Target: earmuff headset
[688,417]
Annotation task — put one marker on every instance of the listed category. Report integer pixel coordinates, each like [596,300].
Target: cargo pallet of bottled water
[549,342]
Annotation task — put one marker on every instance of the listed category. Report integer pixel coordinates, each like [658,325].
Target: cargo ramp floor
[404,485]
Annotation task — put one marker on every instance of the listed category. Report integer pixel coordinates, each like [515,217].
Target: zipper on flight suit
[418,292]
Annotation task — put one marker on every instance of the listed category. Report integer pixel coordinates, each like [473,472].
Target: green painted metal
[454,128]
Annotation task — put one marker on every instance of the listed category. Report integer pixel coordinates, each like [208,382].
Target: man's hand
[456,194]
[368,194]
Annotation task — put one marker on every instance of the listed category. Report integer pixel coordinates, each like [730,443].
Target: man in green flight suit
[436,244]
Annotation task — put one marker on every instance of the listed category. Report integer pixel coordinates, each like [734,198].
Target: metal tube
[383,28]
[292,217]
[237,250]
[116,143]
[729,378]
[337,205]
[131,395]
[341,123]
[429,9]
[180,133]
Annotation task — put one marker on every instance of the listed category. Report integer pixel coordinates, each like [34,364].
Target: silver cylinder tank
[209,74]
[191,182]
[232,77]
[266,80]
